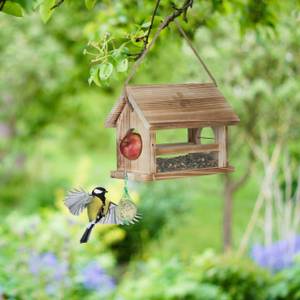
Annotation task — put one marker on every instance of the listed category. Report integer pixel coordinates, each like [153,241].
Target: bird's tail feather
[85,237]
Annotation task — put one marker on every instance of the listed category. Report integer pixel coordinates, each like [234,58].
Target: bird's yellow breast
[93,208]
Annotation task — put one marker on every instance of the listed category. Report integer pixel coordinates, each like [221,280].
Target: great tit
[99,210]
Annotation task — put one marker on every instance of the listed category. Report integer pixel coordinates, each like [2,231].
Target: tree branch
[177,12]
[57,4]
[237,184]
[151,24]
[2,3]
[167,20]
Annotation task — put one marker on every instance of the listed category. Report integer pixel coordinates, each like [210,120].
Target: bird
[99,210]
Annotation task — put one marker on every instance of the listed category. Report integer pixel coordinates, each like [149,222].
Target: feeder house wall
[145,164]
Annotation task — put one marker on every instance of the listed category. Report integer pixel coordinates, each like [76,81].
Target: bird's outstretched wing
[111,217]
[77,200]
[118,214]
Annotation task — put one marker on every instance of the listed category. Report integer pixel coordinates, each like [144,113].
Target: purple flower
[277,256]
[49,259]
[48,266]
[95,278]
[51,289]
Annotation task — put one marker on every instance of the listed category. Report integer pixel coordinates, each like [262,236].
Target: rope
[139,61]
[160,28]
[126,184]
[195,52]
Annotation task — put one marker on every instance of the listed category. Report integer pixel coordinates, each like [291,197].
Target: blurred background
[219,237]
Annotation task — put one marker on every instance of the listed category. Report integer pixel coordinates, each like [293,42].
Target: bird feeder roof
[175,106]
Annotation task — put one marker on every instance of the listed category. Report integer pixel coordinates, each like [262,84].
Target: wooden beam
[170,175]
[189,124]
[221,139]
[195,172]
[162,149]
[194,135]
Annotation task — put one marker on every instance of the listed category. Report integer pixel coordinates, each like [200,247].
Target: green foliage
[107,55]
[287,284]
[239,279]
[204,277]
[13,8]
[158,210]
[46,10]
[90,3]
[52,137]
[127,31]
[40,257]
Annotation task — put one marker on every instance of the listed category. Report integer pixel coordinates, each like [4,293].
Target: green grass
[201,226]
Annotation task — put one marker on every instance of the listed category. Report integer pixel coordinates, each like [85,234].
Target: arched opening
[207,136]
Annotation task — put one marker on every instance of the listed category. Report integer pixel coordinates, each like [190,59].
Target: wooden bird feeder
[149,108]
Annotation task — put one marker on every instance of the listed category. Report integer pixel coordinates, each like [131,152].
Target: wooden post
[221,139]
[194,135]
[152,134]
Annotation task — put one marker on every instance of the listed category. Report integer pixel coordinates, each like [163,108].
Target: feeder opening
[207,136]
[168,136]
[188,161]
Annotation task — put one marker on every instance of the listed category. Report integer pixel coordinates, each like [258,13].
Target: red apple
[131,145]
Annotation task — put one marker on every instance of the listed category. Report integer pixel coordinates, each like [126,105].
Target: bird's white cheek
[98,192]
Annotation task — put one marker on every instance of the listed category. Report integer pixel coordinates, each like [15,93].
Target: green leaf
[136,38]
[13,9]
[94,75]
[106,70]
[46,10]
[90,4]
[122,66]
[27,5]
[146,24]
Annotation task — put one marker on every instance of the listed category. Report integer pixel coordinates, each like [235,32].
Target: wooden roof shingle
[176,105]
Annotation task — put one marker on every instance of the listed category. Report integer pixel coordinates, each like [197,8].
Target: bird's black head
[99,192]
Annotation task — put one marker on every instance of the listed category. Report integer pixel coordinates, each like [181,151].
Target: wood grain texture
[123,125]
[171,175]
[152,151]
[119,174]
[165,105]
[142,164]
[195,172]
[194,135]
[177,148]
[221,139]
[187,124]
[112,118]
[145,163]
[176,106]
[138,111]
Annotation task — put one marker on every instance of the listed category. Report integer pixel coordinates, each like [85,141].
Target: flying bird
[99,210]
